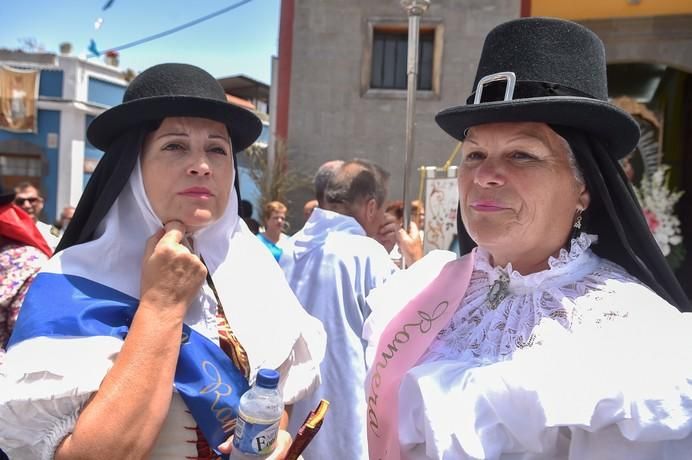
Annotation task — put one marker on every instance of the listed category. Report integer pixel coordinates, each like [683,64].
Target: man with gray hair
[324,173]
[322,176]
[334,264]
[320,181]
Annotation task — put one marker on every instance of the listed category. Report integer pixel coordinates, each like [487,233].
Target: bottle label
[254,437]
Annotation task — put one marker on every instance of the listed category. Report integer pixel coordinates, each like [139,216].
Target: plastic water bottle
[260,411]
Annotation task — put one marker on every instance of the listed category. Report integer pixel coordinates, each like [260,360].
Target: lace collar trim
[566,262]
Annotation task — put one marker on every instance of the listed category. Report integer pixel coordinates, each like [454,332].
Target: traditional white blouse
[579,361]
[42,396]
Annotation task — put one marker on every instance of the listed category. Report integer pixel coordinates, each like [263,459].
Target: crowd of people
[555,333]
[25,244]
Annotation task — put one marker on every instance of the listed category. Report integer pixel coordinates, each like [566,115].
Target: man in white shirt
[333,265]
[28,197]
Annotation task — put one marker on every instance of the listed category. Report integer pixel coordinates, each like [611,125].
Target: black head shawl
[108,180]
[615,216]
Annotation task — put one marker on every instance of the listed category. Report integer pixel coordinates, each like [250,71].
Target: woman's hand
[132,403]
[171,274]
[283,443]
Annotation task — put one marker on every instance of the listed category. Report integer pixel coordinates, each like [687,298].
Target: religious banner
[18,95]
[441,200]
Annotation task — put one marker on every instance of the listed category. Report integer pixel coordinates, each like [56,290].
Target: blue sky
[240,41]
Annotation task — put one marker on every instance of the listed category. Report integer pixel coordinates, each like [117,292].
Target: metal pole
[414,8]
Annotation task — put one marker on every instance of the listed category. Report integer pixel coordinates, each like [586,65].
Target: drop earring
[576,228]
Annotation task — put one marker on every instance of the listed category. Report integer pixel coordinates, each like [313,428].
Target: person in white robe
[560,335]
[333,265]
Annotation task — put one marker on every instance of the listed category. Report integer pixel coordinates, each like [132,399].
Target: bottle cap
[267,378]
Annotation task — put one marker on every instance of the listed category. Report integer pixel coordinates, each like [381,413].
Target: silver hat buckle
[509,89]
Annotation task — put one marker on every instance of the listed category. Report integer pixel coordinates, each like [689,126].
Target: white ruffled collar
[579,258]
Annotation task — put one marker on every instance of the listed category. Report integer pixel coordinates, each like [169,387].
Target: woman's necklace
[498,290]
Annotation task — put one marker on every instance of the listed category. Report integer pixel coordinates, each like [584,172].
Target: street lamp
[414,9]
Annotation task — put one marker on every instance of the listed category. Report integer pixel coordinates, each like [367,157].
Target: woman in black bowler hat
[153,317]
[558,333]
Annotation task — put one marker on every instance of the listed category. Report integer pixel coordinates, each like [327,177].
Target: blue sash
[59,305]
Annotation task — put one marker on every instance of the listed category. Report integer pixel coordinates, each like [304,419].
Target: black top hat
[174,90]
[544,70]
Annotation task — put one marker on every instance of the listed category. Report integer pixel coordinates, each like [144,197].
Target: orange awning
[241,102]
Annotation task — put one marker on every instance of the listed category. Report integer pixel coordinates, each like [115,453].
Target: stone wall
[657,40]
[330,116]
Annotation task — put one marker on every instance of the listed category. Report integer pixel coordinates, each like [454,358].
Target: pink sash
[407,336]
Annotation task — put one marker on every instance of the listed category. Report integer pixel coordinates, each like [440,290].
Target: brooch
[498,291]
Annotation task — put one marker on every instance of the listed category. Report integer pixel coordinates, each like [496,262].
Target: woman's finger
[283,444]
[227,446]
[153,241]
[174,233]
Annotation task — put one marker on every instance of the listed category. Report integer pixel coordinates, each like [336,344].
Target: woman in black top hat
[142,332]
[558,336]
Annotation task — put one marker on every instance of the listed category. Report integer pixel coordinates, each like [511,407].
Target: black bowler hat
[544,70]
[174,90]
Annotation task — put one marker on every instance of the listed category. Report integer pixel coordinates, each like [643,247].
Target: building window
[385,57]
[390,56]
[104,92]
[24,166]
[18,168]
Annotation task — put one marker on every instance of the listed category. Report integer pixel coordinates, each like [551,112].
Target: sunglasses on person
[31,200]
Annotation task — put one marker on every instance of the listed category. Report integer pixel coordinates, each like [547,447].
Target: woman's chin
[198,220]
[493,240]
